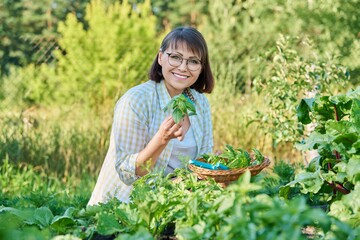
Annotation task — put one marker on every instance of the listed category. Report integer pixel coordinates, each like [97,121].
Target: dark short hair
[196,43]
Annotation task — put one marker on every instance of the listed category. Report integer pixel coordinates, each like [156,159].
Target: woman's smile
[181,76]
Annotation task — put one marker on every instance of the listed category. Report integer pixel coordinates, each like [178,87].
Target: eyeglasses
[176,60]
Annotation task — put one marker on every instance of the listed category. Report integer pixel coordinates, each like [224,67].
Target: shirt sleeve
[207,141]
[130,135]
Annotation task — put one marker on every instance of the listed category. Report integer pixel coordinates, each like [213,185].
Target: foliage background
[65,63]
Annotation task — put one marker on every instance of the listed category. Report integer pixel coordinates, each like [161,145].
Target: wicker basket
[225,177]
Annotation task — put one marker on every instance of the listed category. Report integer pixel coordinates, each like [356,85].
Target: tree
[239,31]
[113,54]
[94,64]
[181,12]
[28,29]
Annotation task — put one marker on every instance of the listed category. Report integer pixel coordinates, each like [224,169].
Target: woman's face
[180,77]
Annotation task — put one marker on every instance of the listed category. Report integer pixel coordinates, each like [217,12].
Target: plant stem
[336,113]
[337,119]
[338,187]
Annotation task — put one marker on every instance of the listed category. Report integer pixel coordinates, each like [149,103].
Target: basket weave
[225,177]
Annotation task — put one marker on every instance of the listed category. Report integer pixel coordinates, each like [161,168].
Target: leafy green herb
[180,106]
[259,158]
[235,158]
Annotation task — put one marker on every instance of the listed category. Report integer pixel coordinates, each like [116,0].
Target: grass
[66,144]
[25,178]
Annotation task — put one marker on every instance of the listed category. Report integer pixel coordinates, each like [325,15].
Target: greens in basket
[235,158]
[180,106]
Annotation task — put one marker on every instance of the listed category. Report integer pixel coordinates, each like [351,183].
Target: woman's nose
[183,65]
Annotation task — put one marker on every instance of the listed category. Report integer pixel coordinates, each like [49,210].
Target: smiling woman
[144,138]
[183,44]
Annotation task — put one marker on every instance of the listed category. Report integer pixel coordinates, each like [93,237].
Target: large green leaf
[41,217]
[309,181]
[141,233]
[315,140]
[62,223]
[303,110]
[108,224]
[355,113]
[353,169]
[348,208]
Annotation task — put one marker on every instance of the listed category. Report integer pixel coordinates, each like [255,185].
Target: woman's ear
[160,55]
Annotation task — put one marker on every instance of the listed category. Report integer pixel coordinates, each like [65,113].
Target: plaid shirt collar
[164,96]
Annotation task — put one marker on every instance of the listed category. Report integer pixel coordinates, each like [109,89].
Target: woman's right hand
[169,129]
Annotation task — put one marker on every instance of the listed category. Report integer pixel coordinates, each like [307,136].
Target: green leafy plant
[180,106]
[196,209]
[213,158]
[237,214]
[235,157]
[282,173]
[335,171]
[293,76]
